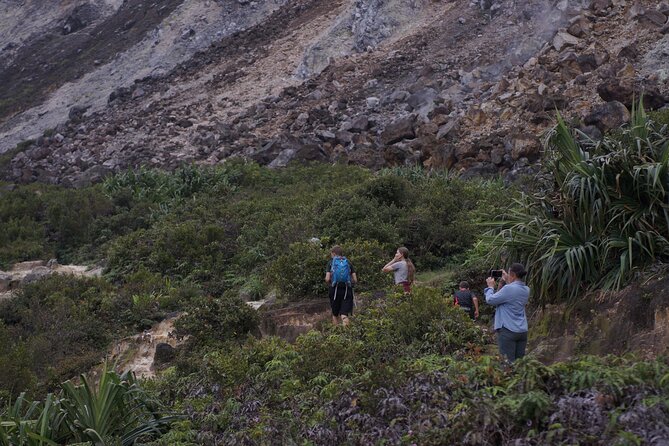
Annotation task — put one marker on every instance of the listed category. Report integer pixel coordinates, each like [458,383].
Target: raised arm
[504,295]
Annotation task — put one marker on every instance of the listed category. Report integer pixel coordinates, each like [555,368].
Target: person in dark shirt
[466,300]
[340,276]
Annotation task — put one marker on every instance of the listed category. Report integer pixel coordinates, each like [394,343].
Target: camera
[495,273]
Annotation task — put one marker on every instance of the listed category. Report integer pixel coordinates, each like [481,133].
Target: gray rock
[185,123]
[608,116]
[591,132]
[359,123]
[399,129]
[372,102]
[344,137]
[282,160]
[422,97]
[137,93]
[446,128]
[325,135]
[655,17]
[563,39]
[77,112]
[399,96]
[301,120]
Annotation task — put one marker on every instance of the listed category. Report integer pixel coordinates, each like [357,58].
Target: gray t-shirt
[401,271]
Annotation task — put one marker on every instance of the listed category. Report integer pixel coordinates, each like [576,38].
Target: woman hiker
[402,268]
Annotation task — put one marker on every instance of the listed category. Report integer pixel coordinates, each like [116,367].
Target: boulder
[399,96]
[397,154]
[399,129]
[343,137]
[608,116]
[524,145]
[445,129]
[372,102]
[76,113]
[359,123]
[184,123]
[591,132]
[165,353]
[282,159]
[422,97]
[579,27]
[600,7]
[625,91]
[564,39]
[647,16]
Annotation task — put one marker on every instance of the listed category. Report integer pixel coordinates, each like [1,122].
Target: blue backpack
[341,270]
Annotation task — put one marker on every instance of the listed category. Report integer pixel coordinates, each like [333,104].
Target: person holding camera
[510,318]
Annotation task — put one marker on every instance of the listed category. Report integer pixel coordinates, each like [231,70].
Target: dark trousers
[511,344]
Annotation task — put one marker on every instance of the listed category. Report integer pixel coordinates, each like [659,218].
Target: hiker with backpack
[510,318]
[340,276]
[466,300]
[402,268]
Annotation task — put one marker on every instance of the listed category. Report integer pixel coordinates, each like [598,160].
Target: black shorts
[341,299]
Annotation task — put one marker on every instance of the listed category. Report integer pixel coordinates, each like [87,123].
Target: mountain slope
[371,82]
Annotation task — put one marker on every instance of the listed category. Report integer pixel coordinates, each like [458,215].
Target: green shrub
[605,218]
[349,216]
[300,271]
[209,319]
[64,324]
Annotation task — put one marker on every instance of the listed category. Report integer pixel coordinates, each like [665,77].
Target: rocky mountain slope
[465,85]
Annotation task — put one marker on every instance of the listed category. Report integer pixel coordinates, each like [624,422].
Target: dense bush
[223,227]
[217,319]
[63,324]
[300,271]
[409,371]
[605,217]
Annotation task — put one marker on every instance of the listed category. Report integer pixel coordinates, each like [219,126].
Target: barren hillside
[466,85]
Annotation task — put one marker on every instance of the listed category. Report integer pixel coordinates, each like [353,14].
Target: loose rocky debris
[29,272]
[470,87]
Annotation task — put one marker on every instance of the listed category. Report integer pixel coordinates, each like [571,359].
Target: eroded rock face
[633,320]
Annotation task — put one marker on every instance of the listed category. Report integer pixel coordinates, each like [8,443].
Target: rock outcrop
[33,271]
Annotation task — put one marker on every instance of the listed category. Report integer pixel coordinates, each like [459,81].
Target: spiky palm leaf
[607,217]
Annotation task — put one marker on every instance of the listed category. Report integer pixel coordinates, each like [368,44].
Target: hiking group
[509,296]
